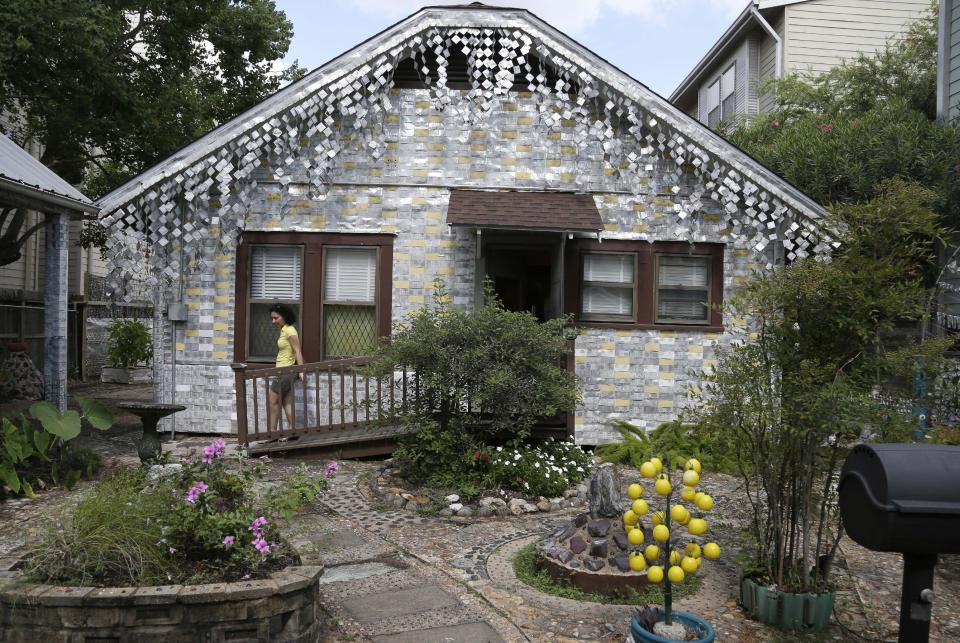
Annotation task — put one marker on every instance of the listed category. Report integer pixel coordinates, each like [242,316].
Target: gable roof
[565,211]
[31,180]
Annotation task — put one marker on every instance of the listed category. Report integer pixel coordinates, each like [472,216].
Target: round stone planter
[281,608]
[607,584]
[700,627]
[786,610]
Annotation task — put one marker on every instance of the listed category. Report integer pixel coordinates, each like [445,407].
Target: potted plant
[654,624]
[131,349]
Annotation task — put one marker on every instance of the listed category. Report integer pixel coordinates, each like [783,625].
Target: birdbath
[149,413]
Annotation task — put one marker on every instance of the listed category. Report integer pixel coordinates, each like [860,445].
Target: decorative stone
[581,520]
[565,556]
[604,493]
[619,539]
[485,512]
[594,564]
[578,545]
[570,493]
[445,512]
[452,498]
[621,561]
[465,511]
[411,506]
[566,532]
[598,548]
[399,502]
[489,501]
[516,506]
[455,507]
[543,505]
[674,632]
[598,528]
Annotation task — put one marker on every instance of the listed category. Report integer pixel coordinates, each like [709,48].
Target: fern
[634,449]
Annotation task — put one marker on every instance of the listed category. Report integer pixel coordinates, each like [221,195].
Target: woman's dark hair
[289,317]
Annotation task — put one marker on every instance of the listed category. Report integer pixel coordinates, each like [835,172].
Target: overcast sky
[656,41]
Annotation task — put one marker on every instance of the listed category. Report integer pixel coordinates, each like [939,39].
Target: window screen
[713,103]
[349,301]
[683,289]
[275,277]
[728,91]
[608,285]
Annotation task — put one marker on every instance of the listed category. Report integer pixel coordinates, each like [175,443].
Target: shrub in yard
[200,522]
[702,440]
[544,470]
[478,377]
[130,344]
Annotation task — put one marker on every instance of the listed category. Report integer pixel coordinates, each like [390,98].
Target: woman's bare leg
[273,411]
[288,406]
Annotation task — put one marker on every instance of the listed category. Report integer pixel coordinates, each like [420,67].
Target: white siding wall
[953,61]
[823,33]
[738,58]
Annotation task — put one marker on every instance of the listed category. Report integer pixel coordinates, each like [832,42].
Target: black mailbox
[905,498]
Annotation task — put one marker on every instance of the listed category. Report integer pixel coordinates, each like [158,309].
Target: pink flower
[228,541]
[261,545]
[331,468]
[264,458]
[774,124]
[825,127]
[256,527]
[217,449]
[195,492]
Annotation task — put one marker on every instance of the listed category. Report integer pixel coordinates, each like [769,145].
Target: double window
[640,284]
[721,97]
[338,286]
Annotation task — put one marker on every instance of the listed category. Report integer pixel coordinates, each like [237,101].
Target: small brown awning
[524,210]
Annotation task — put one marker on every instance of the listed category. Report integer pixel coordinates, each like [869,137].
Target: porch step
[354,442]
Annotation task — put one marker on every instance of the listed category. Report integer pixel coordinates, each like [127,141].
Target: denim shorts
[282,384]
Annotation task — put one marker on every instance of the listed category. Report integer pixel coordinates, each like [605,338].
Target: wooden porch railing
[333,395]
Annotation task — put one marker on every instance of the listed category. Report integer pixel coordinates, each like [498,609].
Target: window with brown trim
[339,285]
[636,284]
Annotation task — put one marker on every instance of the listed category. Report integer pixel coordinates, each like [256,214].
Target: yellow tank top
[285,354]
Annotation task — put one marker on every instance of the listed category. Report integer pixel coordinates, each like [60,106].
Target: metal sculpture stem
[667,585]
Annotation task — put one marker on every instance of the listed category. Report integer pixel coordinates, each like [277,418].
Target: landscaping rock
[446,512]
[581,520]
[516,506]
[411,506]
[594,564]
[485,512]
[465,511]
[598,528]
[619,539]
[161,471]
[570,493]
[565,556]
[621,561]
[578,545]
[452,498]
[598,548]
[556,504]
[399,502]
[566,532]
[674,632]
[489,501]
[543,505]
[605,493]
[455,507]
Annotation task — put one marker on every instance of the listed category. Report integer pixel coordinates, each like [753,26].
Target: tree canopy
[108,87]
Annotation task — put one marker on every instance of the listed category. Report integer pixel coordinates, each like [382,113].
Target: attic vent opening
[409,72]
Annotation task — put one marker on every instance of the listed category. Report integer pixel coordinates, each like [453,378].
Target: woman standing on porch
[288,354]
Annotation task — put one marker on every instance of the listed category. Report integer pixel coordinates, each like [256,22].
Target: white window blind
[275,272]
[350,275]
[683,289]
[608,284]
[728,82]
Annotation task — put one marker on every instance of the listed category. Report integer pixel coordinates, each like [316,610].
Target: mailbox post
[905,498]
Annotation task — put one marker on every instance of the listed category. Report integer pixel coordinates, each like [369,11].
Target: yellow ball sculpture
[697,526]
[693,550]
[648,470]
[675,574]
[662,485]
[675,557]
[657,518]
[688,564]
[692,463]
[659,465]
[655,574]
[711,551]
[637,562]
[634,491]
[688,493]
[635,537]
[652,552]
[629,517]
[661,533]
[640,507]
[679,513]
[691,478]
[705,502]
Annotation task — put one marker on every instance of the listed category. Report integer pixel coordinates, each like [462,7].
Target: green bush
[676,439]
[546,470]
[202,522]
[130,344]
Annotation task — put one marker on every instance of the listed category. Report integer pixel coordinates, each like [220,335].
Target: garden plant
[130,344]
[668,563]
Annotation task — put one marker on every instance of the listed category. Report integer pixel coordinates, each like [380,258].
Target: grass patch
[526,566]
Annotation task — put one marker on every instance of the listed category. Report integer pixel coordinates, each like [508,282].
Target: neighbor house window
[637,284]
[682,289]
[276,274]
[713,104]
[338,284]
[349,301]
[608,286]
[728,93]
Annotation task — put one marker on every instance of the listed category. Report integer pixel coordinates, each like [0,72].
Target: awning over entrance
[524,210]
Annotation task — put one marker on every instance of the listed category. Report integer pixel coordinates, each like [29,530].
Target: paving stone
[467,633]
[374,607]
[354,572]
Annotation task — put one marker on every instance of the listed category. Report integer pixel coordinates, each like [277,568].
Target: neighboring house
[21,290]
[948,111]
[772,38]
[460,142]
[27,183]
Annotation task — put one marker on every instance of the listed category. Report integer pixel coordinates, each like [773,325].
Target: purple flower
[257,527]
[331,468]
[195,492]
[173,551]
[216,450]
[264,458]
[228,541]
[261,545]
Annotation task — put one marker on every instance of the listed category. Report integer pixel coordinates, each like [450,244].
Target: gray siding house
[771,38]
[460,142]
[948,111]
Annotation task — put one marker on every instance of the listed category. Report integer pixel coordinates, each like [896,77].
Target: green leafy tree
[109,87]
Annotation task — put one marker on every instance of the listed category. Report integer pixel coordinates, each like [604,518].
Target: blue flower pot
[704,632]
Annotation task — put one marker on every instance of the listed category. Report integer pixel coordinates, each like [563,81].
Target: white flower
[516,457]
[499,449]
[536,464]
